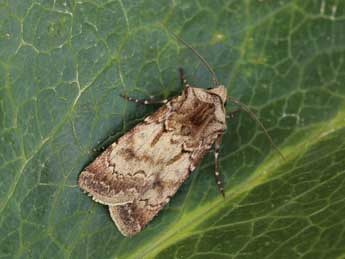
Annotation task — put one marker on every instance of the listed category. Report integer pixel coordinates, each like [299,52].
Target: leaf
[63,65]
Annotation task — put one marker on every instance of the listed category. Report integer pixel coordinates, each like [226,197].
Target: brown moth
[138,174]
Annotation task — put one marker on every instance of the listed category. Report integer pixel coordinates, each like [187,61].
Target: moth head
[220,91]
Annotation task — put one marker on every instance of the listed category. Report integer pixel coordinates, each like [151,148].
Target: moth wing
[132,217]
[105,185]
[128,168]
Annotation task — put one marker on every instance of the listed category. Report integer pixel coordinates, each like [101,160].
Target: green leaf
[63,65]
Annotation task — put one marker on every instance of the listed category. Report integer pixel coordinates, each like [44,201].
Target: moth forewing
[137,175]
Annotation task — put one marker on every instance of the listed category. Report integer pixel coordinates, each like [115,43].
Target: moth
[138,174]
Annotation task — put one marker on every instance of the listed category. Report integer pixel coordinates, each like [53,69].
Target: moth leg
[143,101]
[184,82]
[216,165]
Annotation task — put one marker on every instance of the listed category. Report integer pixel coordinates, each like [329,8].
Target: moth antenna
[253,116]
[202,59]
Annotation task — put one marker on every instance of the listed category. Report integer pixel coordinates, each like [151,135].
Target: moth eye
[209,88]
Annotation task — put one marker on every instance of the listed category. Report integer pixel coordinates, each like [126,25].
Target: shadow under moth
[138,174]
